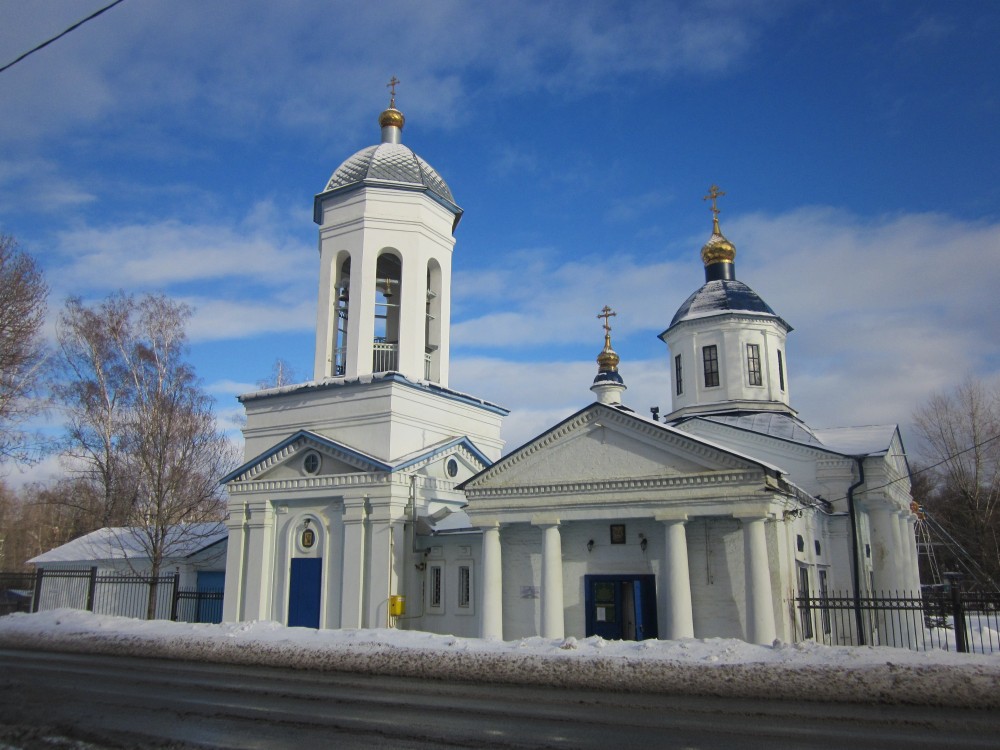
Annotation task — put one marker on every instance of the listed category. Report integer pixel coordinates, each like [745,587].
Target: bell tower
[386,233]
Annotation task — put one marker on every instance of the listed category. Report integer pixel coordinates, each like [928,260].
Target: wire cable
[46,43]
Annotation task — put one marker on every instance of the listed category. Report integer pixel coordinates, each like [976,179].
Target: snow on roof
[125,543]
[858,441]
[775,424]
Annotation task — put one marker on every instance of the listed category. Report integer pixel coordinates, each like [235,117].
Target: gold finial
[714,193]
[393,83]
[607,360]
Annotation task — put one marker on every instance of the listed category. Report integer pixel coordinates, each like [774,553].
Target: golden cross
[393,82]
[606,313]
[714,193]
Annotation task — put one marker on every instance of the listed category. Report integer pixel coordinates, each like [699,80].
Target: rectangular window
[781,371]
[753,365]
[806,613]
[824,594]
[464,586]
[434,593]
[677,375]
[710,357]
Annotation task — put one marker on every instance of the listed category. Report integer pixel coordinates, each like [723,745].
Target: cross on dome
[393,82]
[606,313]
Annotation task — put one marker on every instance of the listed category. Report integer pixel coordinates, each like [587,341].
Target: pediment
[452,460]
[600,443]
[303,455]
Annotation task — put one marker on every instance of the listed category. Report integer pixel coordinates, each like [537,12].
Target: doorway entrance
[304,591]
[621,607]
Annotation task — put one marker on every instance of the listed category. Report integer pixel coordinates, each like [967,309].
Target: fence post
[175,599]
[91,588]
[37,596]
[958,612]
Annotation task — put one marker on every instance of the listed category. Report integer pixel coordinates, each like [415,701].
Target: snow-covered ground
[713,666]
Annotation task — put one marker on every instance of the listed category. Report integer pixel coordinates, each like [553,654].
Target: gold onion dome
[608,359]
[718,249]
[391,116]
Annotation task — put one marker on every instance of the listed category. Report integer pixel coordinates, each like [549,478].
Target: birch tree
[141,431]
[23,294]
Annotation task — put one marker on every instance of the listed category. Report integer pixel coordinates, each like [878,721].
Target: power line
[927,468]
[46,43]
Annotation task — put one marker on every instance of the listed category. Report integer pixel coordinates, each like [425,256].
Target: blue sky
[176,146]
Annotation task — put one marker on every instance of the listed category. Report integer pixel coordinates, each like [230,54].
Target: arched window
[342,285]
[388,294]
[432,329]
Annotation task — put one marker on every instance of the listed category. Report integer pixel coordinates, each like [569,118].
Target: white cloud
[885,311]
[308,64]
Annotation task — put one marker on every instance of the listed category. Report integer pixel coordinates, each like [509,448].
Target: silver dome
[393,163]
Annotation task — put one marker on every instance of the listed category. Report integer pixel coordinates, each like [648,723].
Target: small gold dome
[607,360]
[718,249]
[391,116]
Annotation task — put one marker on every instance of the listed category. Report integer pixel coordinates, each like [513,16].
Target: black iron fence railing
[122,594]
[942,617]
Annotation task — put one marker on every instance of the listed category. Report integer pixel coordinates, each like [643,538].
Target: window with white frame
[754,376]
[781,371]
[435,590]
[464,586]
[710,359]
[678,373]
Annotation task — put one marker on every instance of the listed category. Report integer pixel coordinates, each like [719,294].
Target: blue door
[304,592]
[621,607]
[211,584]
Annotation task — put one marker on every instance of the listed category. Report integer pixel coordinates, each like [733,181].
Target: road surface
[86,702]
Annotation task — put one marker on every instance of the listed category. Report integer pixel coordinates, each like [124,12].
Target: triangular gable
[447,447]
[601,443]
[269,459]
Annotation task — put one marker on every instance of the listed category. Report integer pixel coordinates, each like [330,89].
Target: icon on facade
[618,533]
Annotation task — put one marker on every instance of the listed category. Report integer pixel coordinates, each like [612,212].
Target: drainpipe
[855,551]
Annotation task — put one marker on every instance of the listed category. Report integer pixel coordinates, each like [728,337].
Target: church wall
[718,586]
[450,553]
[605,558]
[522,580]
[382,418]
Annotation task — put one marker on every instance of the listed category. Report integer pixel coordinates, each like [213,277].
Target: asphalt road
[51,700]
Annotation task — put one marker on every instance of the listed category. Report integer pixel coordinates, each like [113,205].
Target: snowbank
[712,666]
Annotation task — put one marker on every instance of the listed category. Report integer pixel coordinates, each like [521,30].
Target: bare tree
[22,313]
[281,374]
[960,431]
[141,431]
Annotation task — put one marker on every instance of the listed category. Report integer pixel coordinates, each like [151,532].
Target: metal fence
[120,594]
[942,617]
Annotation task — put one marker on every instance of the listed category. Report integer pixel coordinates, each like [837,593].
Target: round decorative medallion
[451,467]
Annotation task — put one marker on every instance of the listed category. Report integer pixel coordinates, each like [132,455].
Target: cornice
[707,480]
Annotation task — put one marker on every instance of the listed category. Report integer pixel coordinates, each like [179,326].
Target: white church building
[376,496]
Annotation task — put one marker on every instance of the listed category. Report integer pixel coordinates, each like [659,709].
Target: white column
[260,562]
[552,581]
[760,606]
[884,550]
[907,538]
[900,555]
[678,618]
[353,566]
[232,602]
[492,610]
